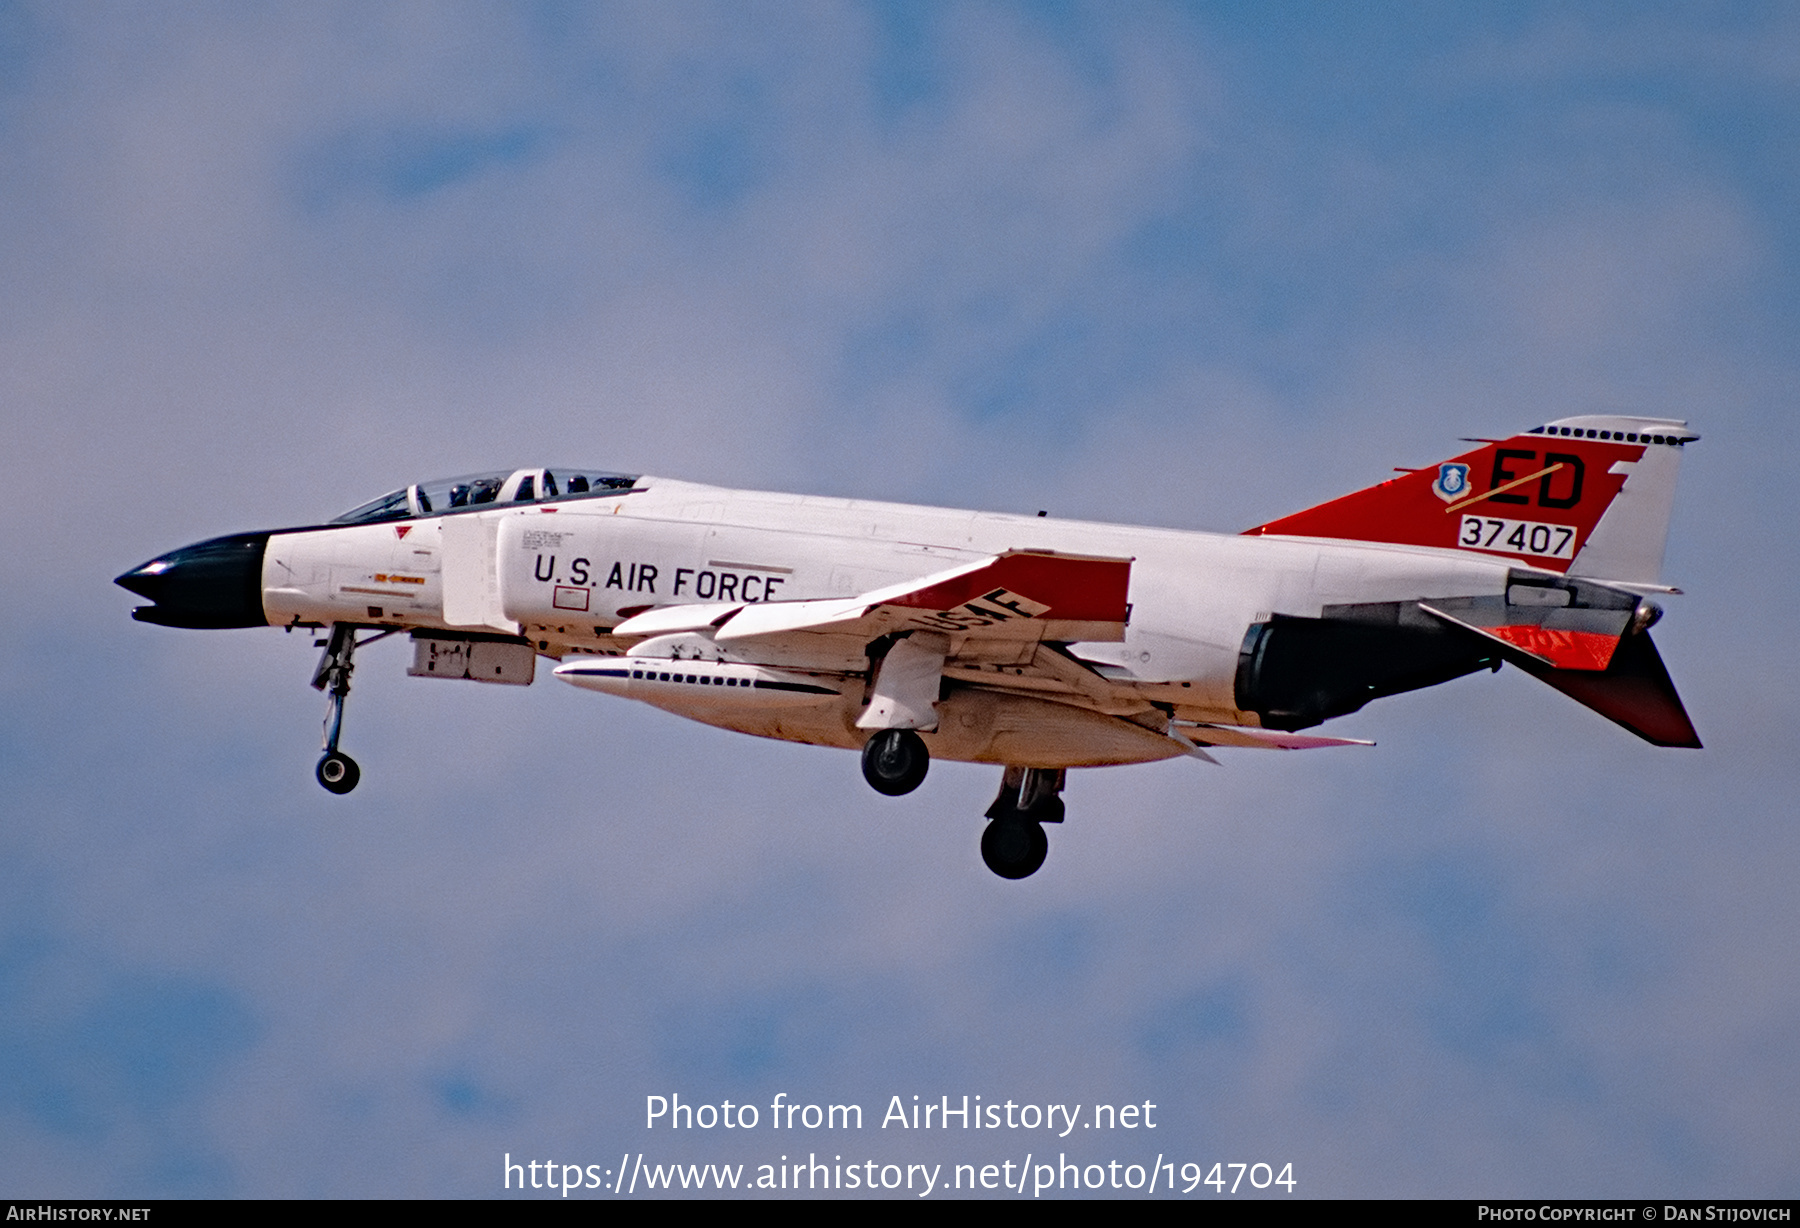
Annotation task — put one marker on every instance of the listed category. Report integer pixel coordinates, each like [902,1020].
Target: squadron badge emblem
[1452,482]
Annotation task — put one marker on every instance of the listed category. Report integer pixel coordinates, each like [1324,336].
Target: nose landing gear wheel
[338,772]
[1014,847]
[895,761]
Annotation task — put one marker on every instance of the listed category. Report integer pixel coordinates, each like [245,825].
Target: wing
[1022,596]
[1002,623]
[995,622]
[999,622]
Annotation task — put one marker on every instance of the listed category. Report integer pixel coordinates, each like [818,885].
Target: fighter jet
[1031,643]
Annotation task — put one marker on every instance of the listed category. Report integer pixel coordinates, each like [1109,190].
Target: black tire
[1014,848]
[338,772]
[895,761]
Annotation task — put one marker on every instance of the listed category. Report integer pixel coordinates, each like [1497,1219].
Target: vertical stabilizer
[1589,496]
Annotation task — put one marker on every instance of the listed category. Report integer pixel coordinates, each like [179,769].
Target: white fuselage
[564,574]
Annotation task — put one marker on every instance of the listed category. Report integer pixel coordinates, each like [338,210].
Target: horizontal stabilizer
[1585,650]
[1634,691]
[1567,624]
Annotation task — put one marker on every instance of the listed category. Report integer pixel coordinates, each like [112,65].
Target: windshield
[442,495]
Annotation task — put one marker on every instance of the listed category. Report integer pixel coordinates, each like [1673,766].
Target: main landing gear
[337,771]
[1014,844]
[895,761]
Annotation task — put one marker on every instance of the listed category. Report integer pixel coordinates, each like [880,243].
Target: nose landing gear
[337,771]
[1014,844]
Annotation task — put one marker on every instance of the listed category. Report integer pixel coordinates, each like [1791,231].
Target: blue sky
[1185,265]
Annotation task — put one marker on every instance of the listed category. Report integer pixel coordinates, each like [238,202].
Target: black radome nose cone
[211,584]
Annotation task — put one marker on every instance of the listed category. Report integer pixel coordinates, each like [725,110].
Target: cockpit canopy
[476,490]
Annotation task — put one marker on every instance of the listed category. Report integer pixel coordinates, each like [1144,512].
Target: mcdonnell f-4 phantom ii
[1032,643]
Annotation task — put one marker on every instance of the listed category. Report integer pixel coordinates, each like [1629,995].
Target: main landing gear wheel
[1014,844]
[895,761]
[1014,847]
[338,772]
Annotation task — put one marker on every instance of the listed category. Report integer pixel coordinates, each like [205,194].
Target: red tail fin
[1538,497]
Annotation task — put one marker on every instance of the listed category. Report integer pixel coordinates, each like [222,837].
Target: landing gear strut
[895,761]
[1014,844]
[337,771]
